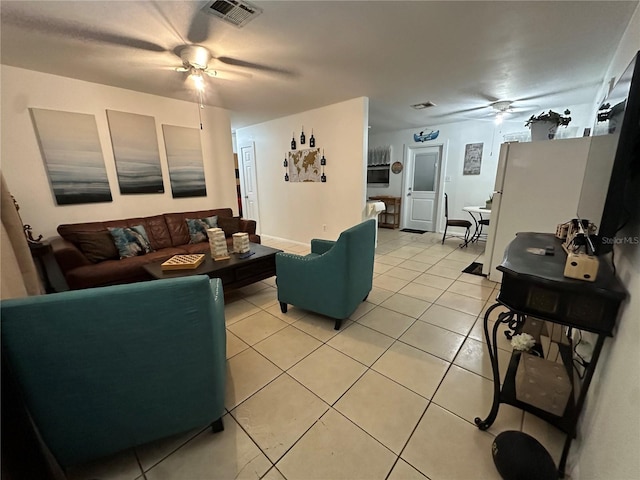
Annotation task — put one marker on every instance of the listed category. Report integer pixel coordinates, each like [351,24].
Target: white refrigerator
[537,187]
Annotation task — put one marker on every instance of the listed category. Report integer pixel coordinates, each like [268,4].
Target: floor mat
[474,269]
[411,230]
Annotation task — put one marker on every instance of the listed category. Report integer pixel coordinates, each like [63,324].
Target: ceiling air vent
[236,12]
[423,105]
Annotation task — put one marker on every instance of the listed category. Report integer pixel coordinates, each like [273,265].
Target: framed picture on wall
[184,156]
[136,153]
[472,159]
[72,155]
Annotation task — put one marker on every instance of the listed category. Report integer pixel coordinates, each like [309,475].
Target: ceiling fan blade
[226,74]
[257,66]
[75,30]
[199,28]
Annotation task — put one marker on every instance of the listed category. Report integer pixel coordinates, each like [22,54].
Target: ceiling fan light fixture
[196,76]
[502,106]
[196,56]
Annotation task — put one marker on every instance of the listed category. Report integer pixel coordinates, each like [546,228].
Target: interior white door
[422,186]
[249,183]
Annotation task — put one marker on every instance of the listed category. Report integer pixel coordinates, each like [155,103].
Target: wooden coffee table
[235,272]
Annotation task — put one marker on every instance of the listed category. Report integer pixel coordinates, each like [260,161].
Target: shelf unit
[535,286]
[390,218]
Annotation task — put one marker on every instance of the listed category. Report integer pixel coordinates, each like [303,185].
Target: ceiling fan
[195,57]
[195,62]
[494,109]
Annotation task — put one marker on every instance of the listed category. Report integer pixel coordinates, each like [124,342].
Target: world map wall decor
[304,165]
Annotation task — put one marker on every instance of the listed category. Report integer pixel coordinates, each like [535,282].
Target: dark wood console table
[534,285]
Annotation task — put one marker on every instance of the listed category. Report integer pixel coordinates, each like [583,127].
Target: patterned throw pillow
[212,221]
[197,230]
[132,241]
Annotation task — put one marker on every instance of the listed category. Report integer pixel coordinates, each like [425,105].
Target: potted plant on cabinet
[488,203]
[545,125]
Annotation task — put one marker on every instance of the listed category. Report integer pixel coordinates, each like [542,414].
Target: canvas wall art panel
[72,155]
[184,156]
[136,153]
[472,159]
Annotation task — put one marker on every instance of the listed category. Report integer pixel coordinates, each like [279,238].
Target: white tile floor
[392,395]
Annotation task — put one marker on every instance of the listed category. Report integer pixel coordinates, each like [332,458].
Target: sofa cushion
[112,272]
[212,221]
[131,242]
[178,227]
[97,246]
[229,225]
[197,230]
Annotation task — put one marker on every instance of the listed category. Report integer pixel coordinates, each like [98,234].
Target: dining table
[478,214]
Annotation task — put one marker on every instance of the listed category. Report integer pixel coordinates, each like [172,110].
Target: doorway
[422,187]
[248,183]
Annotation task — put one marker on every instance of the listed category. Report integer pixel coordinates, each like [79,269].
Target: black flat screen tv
[610,195]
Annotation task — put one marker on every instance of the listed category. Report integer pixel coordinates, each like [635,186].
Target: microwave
[378,175]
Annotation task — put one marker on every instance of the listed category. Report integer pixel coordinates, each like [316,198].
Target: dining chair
[450,222]
[482,223]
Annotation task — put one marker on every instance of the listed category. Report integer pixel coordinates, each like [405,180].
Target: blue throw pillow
[131,241]
[212,221]
[197,230]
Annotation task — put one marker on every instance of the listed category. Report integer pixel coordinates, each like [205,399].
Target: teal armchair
[334,278]
[104,369]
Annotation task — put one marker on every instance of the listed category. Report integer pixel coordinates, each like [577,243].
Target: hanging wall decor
[302,137]
[304,165]
[293,141]
[472,159]
[184,156]
[422,137]
[71,149]
[396,167]
[312,140]
[135,150]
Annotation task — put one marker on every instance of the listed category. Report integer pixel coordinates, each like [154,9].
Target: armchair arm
[320,246]
[248,226]
[67,254]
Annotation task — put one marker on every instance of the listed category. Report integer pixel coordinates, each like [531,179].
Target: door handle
[246,196]
[408,194]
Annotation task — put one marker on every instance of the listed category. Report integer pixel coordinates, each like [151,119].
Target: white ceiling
[306,54]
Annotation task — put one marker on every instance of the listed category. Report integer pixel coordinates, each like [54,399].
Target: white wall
[297,210]
[23,165]
[609,435]
[463,190]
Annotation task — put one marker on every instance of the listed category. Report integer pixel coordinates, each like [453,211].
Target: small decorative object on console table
[218,244]
[545,125]
[534,286]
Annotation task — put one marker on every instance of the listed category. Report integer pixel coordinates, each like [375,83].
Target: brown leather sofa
[168,235]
